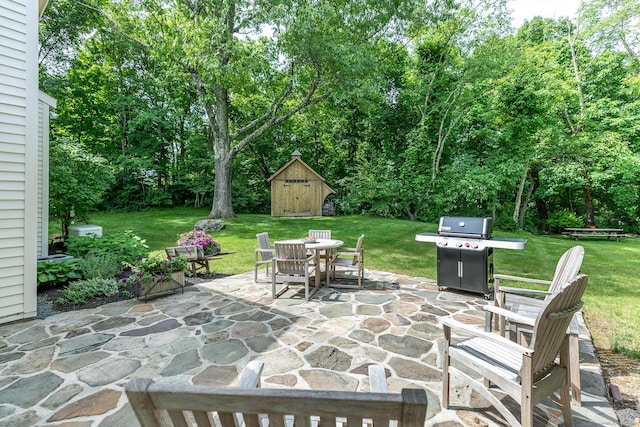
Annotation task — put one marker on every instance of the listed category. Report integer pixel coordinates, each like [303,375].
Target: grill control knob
[474,246]
[466,244]
[444,243]
[459,244]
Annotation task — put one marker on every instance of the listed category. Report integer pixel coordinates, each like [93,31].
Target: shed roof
[289,163]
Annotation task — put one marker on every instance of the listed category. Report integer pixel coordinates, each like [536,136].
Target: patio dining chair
[322,234]
[522,302]
[291,264]
[350,259]
[250,406]
[263,254]
[528,374]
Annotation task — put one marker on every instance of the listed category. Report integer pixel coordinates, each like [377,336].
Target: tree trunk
[525,203]
[222,206]
[542,211]
[222,191]
[591,221]
[518,202]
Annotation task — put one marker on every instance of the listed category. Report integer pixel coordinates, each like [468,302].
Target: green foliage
[100,265]
[450,125]
[58,273]
[626,343]
[155,269]
[560,220]
[81,291]
[77,181]
[199,238]
[123,246]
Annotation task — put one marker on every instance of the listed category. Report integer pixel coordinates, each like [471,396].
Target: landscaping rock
[209,225]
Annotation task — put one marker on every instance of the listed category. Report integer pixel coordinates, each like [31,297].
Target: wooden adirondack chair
[157,405]
[351,259]
[528,302]
[527,374]
[264,253]
[292,264]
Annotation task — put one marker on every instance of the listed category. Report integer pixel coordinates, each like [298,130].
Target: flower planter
[149,288]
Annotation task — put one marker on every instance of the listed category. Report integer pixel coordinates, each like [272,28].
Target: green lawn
[612,299]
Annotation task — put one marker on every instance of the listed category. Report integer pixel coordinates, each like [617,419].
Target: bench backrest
[189,252]
[262,407]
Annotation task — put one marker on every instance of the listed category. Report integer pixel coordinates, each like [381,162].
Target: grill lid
[459,226]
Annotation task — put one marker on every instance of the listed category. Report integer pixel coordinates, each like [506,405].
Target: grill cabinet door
[449,267]
[469,271]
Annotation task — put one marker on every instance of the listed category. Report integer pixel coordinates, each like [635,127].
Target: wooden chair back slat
[552,322]
[265,244]
[320,234]
[567,268]
[291,258]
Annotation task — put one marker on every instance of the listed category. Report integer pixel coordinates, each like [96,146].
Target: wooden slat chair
[159,405]
[292,264]
[263,254]
[325,235]
[320,234]
[528,302]
[195,256]
[527,374]
[351,259]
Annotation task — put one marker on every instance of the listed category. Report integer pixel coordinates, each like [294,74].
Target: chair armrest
[377,379]
[250,375]
[510,315]
[508,289]
[264,251]
[521,279]
[495,338]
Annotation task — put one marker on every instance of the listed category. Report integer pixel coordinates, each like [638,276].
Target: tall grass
[612,299]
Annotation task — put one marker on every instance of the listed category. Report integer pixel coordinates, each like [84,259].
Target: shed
[297,190]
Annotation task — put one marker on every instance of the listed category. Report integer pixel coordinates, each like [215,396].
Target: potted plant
[202,240]
[155,275]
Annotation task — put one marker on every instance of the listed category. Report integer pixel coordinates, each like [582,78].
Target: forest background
[407,109]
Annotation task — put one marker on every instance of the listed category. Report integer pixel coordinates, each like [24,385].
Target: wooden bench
[174,404]
[195,255]
[595,232]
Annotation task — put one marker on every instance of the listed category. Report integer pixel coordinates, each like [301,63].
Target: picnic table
[595,232]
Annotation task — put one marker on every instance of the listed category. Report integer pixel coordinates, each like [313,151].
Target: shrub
[199,238]
[562,219]
[83,290]
[57,273]
[100,266]
[126,246]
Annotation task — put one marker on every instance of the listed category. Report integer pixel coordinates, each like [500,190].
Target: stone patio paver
[70,369]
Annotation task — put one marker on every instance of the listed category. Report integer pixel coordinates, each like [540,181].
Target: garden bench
[195,255]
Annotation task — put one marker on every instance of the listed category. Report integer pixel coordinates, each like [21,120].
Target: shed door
[297,200]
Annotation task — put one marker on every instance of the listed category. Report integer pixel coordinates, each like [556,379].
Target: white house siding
[18,158]
[45,105]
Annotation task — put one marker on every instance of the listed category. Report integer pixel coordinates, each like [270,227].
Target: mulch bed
[48,297]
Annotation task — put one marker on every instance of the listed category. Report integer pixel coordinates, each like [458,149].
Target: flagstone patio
[70,368]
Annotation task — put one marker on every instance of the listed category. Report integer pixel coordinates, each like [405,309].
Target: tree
[77,181]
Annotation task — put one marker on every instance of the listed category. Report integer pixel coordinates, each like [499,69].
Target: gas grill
[465,252]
